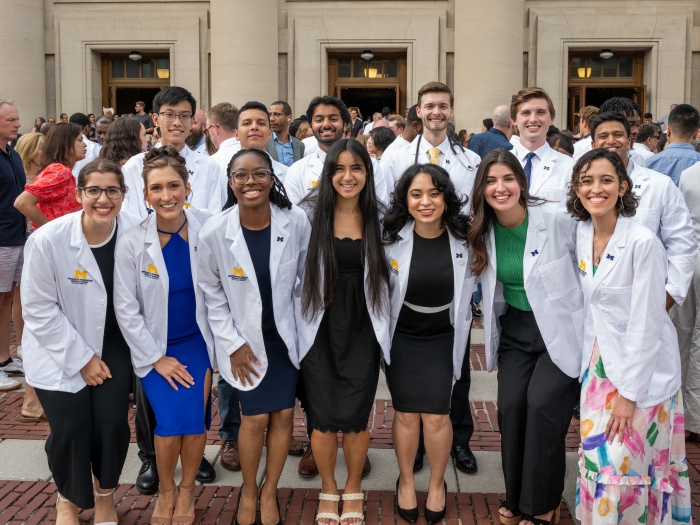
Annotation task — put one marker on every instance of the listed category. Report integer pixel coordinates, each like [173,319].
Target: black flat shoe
[206,472]
[418,462]
[465,461]
[410,515]
[433,517]
[147,480]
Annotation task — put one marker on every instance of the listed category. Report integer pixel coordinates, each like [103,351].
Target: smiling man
[548,171]
[174,108]
[253,131]
[282,147]
[328,117]
[661,207]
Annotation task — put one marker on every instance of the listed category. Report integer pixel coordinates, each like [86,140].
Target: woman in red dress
[52,194]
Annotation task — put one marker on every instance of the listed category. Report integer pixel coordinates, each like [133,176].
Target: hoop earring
[582,208]
[621,203]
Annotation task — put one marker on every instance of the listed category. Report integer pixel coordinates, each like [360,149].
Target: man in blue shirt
[497,137]
[679,155]
[282,147]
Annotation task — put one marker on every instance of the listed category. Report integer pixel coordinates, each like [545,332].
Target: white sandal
[328,515]
[104,496]
[353,515]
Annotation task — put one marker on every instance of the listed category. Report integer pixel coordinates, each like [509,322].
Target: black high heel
[433,517]
[410,515]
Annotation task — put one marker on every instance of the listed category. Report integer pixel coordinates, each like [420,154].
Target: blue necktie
[528,167]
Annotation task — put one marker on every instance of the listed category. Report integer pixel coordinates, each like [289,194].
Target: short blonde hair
[28,147]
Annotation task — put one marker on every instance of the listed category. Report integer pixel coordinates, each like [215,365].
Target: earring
[582,208]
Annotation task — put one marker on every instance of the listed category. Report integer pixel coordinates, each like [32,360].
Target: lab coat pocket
[288,275]
[648,217]
[558,277]
[617,301]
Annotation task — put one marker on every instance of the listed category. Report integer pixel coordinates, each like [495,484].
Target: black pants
[460,414]
[89,431]
[145,424]
[535,404]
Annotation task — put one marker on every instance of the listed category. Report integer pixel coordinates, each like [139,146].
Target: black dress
[341,370]
[421,373]
[278,386]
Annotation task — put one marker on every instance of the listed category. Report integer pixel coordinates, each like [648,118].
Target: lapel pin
[637,186]
[190,172]
[447,161]
[280,239]
[611,257]
[547,168]
[459,256]
[534,253]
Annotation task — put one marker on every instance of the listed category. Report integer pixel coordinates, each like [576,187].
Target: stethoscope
[453,143]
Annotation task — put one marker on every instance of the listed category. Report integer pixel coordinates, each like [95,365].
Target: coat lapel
[535,241]
[404,256]
[85,259]
[280,238]
[585,250]
[460,261]
[156,253]
[544,171]
[612,252]
[239,248]
[640,179]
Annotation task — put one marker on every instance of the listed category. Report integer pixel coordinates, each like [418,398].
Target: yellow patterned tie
[434,154]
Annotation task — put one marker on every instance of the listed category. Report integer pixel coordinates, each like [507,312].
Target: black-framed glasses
[94,192]
[260,176]
[168,117]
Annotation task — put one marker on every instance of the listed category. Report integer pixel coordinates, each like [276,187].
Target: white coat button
[102,301]
[257,328]
[99,328]
[594,303]
[162,347]
[461,263]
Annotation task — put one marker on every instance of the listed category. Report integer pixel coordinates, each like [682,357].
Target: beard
[194,137]
[332,141]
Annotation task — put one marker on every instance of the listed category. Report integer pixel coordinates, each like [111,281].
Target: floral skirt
[644,480]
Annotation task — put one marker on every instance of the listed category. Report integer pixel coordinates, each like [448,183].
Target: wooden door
[640,97]
[577,100]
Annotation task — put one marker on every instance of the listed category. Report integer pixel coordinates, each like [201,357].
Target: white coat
[663,210]
[307,329]
[551,285]
[231,294]
[625,309]
[305,174]
[461,164]
[399,256]
[64,303]
[141,287]
[208,188]
[551,172]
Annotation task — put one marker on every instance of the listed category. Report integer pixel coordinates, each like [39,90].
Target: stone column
[22,61]
[244,39]
[488,57]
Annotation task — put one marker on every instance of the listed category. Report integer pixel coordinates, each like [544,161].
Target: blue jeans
[229,411]
[476,296]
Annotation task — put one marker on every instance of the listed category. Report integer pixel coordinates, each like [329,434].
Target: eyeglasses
[94,192]
[276,115]
[260,176]
[185,118]
[657,137]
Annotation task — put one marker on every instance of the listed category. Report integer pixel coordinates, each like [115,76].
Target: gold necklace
[598,252]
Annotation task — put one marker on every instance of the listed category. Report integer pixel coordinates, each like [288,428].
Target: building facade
[61,56]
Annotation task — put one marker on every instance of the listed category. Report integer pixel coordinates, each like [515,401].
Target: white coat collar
[233,142]
[612,251]
[639,176]
[279,238]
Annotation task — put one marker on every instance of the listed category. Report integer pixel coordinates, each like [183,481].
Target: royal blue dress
[277,390]
[182,411]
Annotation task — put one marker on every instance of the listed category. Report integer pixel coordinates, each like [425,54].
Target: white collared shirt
[521,152]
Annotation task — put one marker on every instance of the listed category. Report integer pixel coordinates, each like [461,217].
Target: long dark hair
[278,195]
[482,213]
[60,144]
[122,140]
[398,215]
[321,264]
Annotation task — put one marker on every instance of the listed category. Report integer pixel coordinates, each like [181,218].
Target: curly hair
[122,140]
[482,213]
[456,222]
[626,205]
[278,195]
[159,158]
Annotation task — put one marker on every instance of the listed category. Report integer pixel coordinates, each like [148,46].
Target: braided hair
[278,195]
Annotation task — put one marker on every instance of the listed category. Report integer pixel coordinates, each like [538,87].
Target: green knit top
[510,247]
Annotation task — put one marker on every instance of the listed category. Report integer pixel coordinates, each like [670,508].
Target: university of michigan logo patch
[80,277]
[238,274]
[151,272]
[394,267]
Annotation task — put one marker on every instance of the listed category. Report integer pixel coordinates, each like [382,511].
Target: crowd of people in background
[142,253]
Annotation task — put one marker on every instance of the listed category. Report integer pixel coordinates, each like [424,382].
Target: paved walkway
[27,495]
